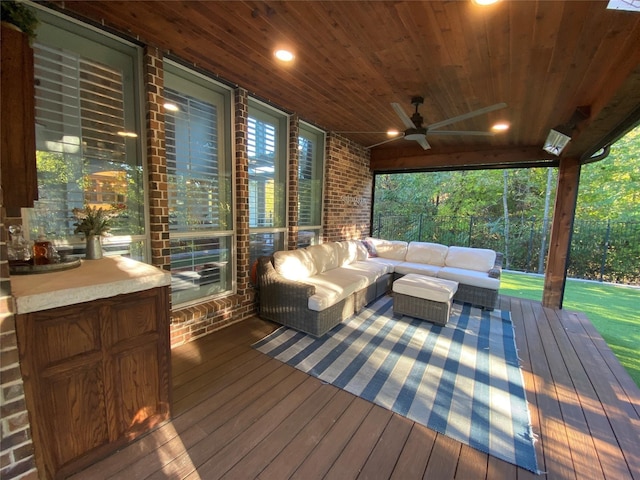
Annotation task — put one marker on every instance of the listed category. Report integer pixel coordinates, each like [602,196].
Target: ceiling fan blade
[386,141]
[423,143]
[359,131]
[461,132]
[475,113]
[403,115]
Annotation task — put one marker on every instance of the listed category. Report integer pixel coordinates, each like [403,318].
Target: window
[87,145]
[199,184]
[267,140]
[310,180]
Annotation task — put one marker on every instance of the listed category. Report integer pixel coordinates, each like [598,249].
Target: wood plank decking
[240,415]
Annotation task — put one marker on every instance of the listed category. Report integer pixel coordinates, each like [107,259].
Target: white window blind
[310,182]
[192,165]
[266,171]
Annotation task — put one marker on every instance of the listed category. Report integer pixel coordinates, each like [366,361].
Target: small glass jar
[41,249]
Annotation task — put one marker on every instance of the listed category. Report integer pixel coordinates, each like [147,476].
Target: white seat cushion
[392,264]
[333,286]
[420,268]
[479,259]
[429,288]
[372,270]
[428,253]
[469,277]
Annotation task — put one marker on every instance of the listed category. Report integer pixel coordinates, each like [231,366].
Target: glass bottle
[41,249]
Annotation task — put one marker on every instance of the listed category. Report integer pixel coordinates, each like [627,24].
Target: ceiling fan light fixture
[557,139]
[485,2]
[415,134]
[392,133]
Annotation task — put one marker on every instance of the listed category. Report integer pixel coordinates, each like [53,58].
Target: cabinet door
[96,375]
[62,367]
[137,361]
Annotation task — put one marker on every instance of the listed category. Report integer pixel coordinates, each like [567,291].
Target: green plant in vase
[21,16]
[94,222]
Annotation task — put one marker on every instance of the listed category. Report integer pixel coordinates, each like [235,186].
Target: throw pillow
[371,248]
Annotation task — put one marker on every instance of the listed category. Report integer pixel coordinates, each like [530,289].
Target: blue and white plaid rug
[462,380]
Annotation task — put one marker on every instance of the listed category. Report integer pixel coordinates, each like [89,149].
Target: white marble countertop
[93,279]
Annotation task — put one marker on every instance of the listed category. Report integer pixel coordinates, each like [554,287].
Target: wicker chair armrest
[496,271]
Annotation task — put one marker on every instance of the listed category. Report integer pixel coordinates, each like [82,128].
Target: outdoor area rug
[462,380]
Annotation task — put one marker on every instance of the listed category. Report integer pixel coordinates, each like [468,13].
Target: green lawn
[613,309]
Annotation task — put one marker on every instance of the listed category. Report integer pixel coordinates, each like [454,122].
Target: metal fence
[600,250]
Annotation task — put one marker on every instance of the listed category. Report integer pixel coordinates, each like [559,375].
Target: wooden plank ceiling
[354,58]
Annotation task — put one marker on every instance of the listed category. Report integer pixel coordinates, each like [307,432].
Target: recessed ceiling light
[500,127]
[172,107]
[284,55]
[393,133]
[485,2]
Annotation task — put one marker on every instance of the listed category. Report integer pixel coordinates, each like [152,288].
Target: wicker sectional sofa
[315,288]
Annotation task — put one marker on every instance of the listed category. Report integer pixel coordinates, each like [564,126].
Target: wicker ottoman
[423,297]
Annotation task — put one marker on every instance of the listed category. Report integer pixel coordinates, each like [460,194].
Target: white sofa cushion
[392,264]
[333,286]
[372,270]
[325,256]
[347,252]
[421,268]
[425,252]
[393,249]
[294,264]
[469,277]
[478,259]
[429,288]
[361,251]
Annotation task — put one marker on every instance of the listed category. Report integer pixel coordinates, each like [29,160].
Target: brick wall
[16,448]
[292,187]
[348,190]
[156,159]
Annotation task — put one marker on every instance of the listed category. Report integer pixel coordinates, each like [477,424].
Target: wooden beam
[560,243]
[412,159]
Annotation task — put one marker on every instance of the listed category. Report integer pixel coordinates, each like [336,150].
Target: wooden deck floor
[240,415]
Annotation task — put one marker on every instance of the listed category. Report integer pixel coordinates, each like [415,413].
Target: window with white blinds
[87,146]
[199,184]
[310,182]
[267,140]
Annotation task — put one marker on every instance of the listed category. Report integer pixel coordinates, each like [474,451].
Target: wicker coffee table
[426,298]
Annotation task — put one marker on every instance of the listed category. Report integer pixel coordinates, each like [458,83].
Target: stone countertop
[93,279]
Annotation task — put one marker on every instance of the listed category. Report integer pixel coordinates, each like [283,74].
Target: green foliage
[18,14]
[611,308]
[610,188]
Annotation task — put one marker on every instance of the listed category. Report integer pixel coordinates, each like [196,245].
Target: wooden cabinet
[96,376]
[17,110]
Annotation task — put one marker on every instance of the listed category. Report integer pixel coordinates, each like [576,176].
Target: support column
[560,243]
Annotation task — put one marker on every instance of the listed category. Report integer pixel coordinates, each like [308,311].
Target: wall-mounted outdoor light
[557,139]
[559,136]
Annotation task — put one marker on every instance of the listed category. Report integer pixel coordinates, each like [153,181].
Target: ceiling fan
[416,131]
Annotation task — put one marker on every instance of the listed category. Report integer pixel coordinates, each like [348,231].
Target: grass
[613,309]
